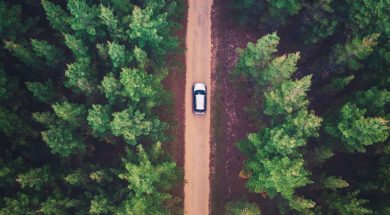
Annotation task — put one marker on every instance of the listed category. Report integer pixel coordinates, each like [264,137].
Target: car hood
[199,86]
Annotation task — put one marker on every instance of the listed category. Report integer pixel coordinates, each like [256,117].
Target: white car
[199,94]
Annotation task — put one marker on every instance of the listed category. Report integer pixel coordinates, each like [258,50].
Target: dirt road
[197,127]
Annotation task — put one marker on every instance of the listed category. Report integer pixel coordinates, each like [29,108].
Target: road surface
[197,127]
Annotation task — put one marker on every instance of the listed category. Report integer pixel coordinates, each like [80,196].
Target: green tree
[118,55]
[80,76]
[10,122]
[333,183]
[21,204]
[45,118]
[35,178]
[147,176]
[302,205]
[247,10]
[338,84]
[72,113]
[131,124]
[58,205]
[279,10]
[288,98]
[154,203]
[58,18]
[99,119]
[62,140]
[366,17]
[349,54]
[256,57]
[320,21]
[13,25]
[100,205]
[356,130]
[141,57]
[137,85]
[145,29]
[44,92]
[77,177]
[349,204]
[279,70]
[150,178]
[109,19]
[83,17]
[112,88]
[22,53]
[242,208]
[52,55]
[276,175]
[76,45]
[373,100]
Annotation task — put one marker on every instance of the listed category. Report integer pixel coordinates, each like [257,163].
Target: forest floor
[230,121]
[175,83]
[197,127]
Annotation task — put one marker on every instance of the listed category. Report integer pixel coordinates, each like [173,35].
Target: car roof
[200,101]
[199,86]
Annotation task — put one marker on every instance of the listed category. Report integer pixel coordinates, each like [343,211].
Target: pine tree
[333,183]
[145,27]
[57,204]
[99,119]
[256,56]
[373,100]
[242,208]
[279,70]
[118,55]
[107,16]
[138,85]
[277,175]
[131,124]
[279,10]
[288,98]
[112,88]
[146,176]
[349,204]
[349,54]
[44,92]
[35,178]
[62,140]
[22,53]
[52,55]
[76,45]
[81,77]
[76,178]
[20,204]
[83,17]
[72,113]
[58,18]
[357,131]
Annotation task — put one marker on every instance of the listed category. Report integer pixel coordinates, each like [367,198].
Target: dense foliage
[242,208]
[80,83]
[335,162]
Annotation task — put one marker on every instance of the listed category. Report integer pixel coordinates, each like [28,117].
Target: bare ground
[175,83]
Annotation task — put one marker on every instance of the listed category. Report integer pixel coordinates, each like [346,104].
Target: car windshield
[200,92]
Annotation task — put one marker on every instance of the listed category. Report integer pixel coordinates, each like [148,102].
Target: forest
[320,104]
[81,91]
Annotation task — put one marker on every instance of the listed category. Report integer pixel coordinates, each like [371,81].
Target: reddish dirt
[230,122]
[175,83]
